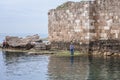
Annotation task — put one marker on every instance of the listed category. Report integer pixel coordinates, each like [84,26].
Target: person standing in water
[72,48]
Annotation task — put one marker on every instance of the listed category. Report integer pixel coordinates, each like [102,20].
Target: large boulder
[17,42]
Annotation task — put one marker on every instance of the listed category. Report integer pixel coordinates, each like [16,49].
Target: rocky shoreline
[36,46]
[27,43]
[56,52]
[30,52]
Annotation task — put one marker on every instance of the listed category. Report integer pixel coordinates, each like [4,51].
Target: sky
[26,16]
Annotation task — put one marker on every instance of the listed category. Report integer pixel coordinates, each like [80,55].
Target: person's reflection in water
[72,59]
[90,57]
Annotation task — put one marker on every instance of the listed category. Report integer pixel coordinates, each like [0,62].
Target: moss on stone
[67,53]
[42,52]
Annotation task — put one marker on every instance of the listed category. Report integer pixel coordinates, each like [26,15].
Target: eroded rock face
[26,42]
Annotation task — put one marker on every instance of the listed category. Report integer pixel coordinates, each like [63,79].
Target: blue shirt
[71,47]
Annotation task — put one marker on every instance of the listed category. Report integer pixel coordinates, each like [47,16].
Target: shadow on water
[104,68]
[12,57]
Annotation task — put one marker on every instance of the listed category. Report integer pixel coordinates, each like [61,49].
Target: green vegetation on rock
[67,53]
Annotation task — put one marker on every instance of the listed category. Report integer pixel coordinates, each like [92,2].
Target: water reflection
[20,66]
[84,68]
[60,68]
[107,68]
[72,60]
[12,57]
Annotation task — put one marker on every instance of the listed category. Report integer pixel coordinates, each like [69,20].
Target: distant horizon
[26,34]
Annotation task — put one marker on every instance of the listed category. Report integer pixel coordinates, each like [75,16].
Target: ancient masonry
[85,22]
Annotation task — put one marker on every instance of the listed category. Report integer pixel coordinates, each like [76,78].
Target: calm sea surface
[20,66]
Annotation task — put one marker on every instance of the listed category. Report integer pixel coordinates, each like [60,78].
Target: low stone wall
[102,47]
[65,46]
[105,47]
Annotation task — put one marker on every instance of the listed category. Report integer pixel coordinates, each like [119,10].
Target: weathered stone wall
[69,22]
[105,47]
[106,19]
[85,21]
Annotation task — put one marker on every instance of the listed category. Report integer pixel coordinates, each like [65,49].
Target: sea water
[21,66]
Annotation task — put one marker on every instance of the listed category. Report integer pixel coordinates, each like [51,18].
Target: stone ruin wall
[85,21]
[106,19]
[69,22]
